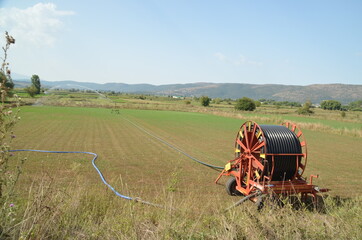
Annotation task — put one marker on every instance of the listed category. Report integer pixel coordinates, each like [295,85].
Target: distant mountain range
[316,93]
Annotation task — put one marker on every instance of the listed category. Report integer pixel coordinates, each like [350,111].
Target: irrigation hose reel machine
[269,159]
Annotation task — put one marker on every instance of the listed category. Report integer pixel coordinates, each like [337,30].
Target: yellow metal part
[227,167]
[241,134]
[257,174]
[258,135]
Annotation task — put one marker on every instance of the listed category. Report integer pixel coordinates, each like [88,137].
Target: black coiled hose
[281,140]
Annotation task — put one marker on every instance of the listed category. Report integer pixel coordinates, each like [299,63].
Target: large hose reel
[268,157]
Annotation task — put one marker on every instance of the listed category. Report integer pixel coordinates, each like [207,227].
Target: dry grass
[82,213]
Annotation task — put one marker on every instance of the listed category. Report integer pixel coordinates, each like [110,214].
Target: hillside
[316,93]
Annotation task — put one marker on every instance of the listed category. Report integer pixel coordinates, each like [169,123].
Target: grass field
[138,165]
[330,121]
[125,150]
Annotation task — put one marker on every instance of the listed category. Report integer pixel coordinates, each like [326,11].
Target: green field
[126,151]
[139,165]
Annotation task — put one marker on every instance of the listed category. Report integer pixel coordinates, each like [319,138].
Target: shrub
[205,101]
[32,91]
[245,104]
[331,105]
[217,100]
[306,109]
[355,106]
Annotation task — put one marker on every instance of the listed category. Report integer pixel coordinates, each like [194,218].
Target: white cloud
[220,56]
[38,24]
[241,60]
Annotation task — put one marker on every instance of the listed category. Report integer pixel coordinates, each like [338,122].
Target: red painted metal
[249,167]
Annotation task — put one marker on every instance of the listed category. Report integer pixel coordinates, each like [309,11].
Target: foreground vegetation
[82,213]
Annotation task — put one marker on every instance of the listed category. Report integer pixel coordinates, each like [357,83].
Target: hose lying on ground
[95,156]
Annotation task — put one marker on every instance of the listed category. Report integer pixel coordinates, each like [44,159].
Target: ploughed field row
[138,165]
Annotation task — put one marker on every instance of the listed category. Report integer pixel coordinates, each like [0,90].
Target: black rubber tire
[260,202]
[231,187]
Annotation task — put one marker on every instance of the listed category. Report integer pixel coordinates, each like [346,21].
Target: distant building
[178,97]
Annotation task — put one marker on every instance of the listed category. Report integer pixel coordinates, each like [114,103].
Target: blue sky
[164,42]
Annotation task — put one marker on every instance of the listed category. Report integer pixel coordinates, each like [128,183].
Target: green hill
[316,93]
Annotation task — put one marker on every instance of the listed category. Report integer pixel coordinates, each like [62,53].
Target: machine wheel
[231,187]
[260,202]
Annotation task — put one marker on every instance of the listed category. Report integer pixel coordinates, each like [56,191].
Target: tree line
[248,104]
